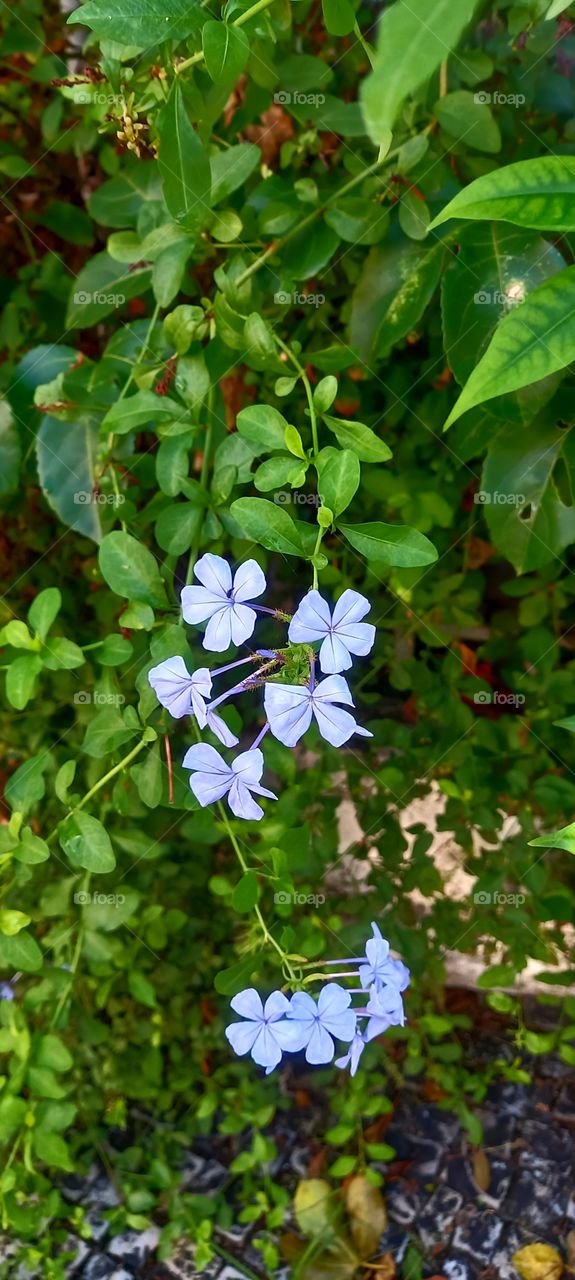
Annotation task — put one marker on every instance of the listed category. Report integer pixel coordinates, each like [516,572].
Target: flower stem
[268,937]
[203,482]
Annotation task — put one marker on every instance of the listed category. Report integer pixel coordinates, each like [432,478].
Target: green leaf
[526,514]
[21,952]
[60,654]
[228,981]
[193,382]
[536,193]
[414,37]
[51,1149]
[141,989]
[21,679]
[562,839]
[139,410]
[136,23]
[268,525]
[103,286]
[44,610]
[31,849]
[66,453]
[498,975]
[131,570]
[325,393]
[11,922]
[17,634]
[226,51]
[263,427]
[496,268]
[10,452]
[357,220]
[393,291]
[232,168]
[391,544]
[177,527]
[52,1053]
[169,272]
[465,119]
[274,472]
[245,894]
[338,478]
[534,340]
[148,777]
[86,843]
[556,7]
[26,786]
[339,17]
[184,165]
[359,438]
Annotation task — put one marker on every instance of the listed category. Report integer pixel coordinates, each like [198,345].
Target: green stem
[112,773]
[309,393]
[122,395]
[238,22]
[316,213]
[367,48]
[203,482]
[268,937]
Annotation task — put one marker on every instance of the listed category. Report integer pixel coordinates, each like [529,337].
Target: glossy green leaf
[534,340]
[86,843]
[269,525]
[226,51]
[527,515]
[135,23]
[66,453]
[414,37]
[390,544]
[339,16]
[184,164]
[469,121]
[338,478]
[359,438]
[21,952]
[538,193]
[102,287]
[263,427]
[44,610]
[131,570]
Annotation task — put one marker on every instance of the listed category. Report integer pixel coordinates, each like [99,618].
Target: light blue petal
[218,633]
[289,711]
[303,1007]
[198,604]
[311,621]
[335,725]
[220,728]
[242,803]
[248,1003]
[341,1025]
[290,1034]
[320,1046]
[351,607]
[242,1036]
[173,686]
[206,758]
[333,999]
[276,1005]
[242,622]
[249,581]
[249,766]
[209,787]
[215,574]
[333,655]
[266,1052]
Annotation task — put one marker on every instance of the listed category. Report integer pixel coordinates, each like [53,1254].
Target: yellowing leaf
[367,1214]
[538,1262]
[312,1206]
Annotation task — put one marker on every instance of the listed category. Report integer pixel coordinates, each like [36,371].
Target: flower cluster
[226,603]
[289,1025]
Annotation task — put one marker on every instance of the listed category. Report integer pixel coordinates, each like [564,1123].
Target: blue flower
[266,1033]
[290,707]
[353,1055]
[213,779]
[183,694]
[384,1010]
[331,1016]
[342,632]
[222,601]
[381,970]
